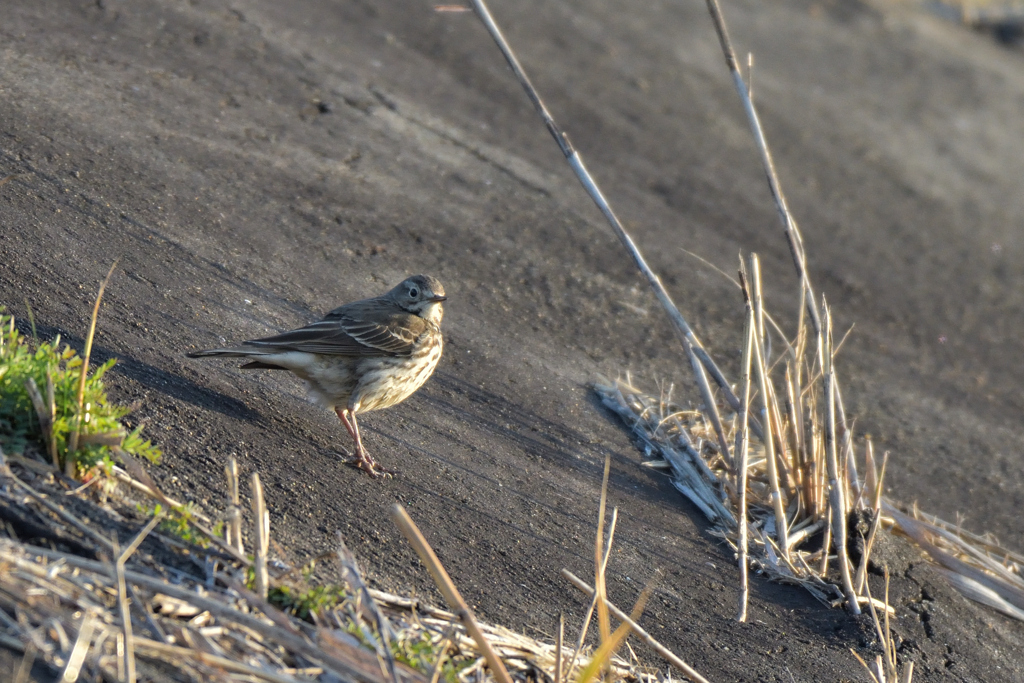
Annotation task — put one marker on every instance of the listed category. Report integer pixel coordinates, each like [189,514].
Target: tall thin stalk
[789,226]
[764,384]
[743,450]
[682,328]
[837,499]
[80,417]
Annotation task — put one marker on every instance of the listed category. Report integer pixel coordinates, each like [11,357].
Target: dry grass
[802,480]
[777,475]
[104,619]
[796,481]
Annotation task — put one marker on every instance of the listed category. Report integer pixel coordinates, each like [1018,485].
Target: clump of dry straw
[773,464]
[126,614]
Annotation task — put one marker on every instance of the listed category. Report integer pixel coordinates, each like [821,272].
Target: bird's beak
[438,298]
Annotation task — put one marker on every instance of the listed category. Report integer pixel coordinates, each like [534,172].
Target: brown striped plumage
[363,356]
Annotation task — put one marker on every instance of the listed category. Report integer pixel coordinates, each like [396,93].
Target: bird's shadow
[150,376]
[184,389]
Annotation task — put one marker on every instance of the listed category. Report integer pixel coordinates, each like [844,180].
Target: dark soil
[256,164]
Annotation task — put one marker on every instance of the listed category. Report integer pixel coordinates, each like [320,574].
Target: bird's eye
[414,293]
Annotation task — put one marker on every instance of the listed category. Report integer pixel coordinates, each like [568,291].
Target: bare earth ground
[254,164]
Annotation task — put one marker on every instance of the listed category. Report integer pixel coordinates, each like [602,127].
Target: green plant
[422,650]
[302,603]
[56,372]
[178,523]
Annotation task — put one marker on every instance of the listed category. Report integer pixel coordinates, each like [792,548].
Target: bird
[365,355]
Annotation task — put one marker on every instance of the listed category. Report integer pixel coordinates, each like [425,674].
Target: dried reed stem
[593,603]
[45,412]
[710,406]
[599,663]
[603,622]
[261,522]
[154,648]
[290,638]
[743,452]
[796,429]
[51,409]
[669,656]
[354,578]
[150,621]
[448,590]
[984,580]
[870,473]
[128,653]
[435,675]
[81,648]
[869,542]
[792,232]
[826,543]
[682,328]
[879,488]
[836,493]
[764,383]
[852,479]
[558,647]
[890,644]
[234,511]
[27,661]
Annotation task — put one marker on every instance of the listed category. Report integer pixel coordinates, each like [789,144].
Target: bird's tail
[234,352]
[239,352]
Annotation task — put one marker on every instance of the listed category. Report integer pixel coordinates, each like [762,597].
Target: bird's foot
[375,470]
[367,464]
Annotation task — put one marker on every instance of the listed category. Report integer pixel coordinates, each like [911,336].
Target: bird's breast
[385,381]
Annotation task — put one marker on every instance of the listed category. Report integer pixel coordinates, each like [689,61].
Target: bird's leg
[349,420]
[363,459]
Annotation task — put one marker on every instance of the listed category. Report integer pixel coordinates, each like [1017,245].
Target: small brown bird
[363,356]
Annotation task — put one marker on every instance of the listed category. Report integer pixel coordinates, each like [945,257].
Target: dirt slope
[255,164]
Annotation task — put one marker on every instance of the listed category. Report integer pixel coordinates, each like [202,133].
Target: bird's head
[421,295]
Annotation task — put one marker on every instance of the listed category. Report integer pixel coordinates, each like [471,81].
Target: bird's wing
[387,333]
